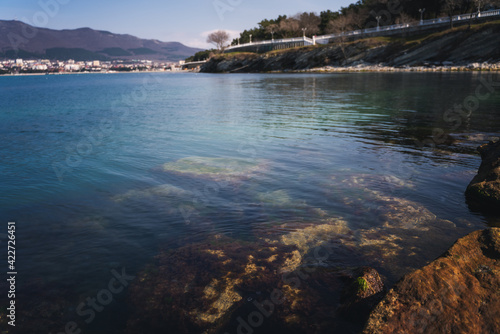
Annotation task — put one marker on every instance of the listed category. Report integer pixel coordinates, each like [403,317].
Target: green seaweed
[361,284]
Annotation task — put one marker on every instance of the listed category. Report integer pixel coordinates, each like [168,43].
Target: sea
[101,173]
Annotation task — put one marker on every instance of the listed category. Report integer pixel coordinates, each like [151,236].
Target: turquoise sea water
[81,153]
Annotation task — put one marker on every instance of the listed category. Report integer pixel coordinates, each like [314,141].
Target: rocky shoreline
[479,67]
[459,291]
[459,49]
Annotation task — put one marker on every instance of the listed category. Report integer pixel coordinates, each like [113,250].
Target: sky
[188,21]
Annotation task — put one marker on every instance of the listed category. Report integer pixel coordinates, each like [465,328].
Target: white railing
[393,27]
[306,40]
[325,38]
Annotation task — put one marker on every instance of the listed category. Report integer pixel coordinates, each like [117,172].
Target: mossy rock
[361,285]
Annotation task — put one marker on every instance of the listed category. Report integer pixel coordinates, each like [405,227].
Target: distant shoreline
[76,73]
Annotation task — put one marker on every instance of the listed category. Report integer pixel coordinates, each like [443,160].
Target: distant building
[96,63]
[19,62]
[40,67]
[72,67]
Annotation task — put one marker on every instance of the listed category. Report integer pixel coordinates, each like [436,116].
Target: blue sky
[187,21]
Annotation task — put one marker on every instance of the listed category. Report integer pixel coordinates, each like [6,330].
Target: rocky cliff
[458,47]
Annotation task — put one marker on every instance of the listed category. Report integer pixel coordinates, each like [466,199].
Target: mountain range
[20,40]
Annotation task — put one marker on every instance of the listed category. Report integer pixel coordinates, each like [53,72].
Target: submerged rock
[216,286]
[459,292]
[198,287]
[362,292]
[484,190]
[278,198]
[216,169]
[165,191]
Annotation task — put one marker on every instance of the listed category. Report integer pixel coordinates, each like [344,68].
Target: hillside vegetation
[361,15]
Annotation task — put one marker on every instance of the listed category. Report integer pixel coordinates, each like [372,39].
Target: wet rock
[216,169]
[458,292]
[484,190]
[364,289]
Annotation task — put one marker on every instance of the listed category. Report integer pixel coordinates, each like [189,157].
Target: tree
[325,18]
[341,25]
[201,55]
[450,6]
[309,21]
[404,19]
[219,38]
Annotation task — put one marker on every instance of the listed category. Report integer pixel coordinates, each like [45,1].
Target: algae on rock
[217,169]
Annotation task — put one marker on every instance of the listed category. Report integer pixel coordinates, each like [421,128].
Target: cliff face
[461,46]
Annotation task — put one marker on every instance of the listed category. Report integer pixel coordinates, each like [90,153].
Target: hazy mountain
[20,40]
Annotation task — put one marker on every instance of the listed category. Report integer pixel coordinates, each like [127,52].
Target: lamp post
[250,38]
[304,32]
[421,10]
[378,22]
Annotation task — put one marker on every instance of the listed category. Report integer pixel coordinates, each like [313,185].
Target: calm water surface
[74,146]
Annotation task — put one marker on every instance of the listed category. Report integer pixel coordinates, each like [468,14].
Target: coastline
[381,68]
[325,69]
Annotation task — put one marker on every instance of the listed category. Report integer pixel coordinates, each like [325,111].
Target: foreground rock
[457,293]
[484,190]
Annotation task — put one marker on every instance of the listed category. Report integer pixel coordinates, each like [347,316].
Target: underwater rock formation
[484,190]
[198,287]
[216,169]
[165,191]
[217,285]
[458,292]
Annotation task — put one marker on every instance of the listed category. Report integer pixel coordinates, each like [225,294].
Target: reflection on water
[371,166]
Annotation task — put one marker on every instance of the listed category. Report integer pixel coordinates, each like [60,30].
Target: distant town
[45,66]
